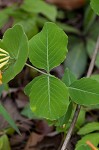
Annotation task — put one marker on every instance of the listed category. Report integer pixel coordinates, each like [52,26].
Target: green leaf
[76,60]
[64,119]
[39,6]
[3,19]
[95,77]
[94,31]
[85,92]
[95,6]
[83,147]
[48,97]
[1,89]
[29,26]
[5,114]
[4,143]
[93,138]
[81,118]
[88,128]
[16,44]
[68,77]
[47,52]
[27,112]
[90,49]
[89,19]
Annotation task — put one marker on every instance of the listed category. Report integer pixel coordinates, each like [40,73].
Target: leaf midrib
[83,91]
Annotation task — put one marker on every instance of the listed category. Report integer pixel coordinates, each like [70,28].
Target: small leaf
[68,77]
[85,92]
[88,128]
[93,138]
[39,6]
[5,114]
[48,97]
[95,6]
[76,60]
[46,52]
[4,143]
[16,44]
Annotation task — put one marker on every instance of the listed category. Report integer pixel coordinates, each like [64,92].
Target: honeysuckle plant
[50,98]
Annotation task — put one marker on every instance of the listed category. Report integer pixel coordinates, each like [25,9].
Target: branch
[78,107]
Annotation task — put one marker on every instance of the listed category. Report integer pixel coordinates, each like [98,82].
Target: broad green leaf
[48,49]
[93,138]
[85,92]
[95,6]
[90,49]
[48,97]
[68,77]
[83,147]
[5,114]
[88,128]
[4,143]
[42,7]
[16,44]
[76,59]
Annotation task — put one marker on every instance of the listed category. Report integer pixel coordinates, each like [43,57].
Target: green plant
[50,98]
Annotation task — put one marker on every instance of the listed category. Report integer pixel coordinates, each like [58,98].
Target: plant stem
[36,69]
[78,107]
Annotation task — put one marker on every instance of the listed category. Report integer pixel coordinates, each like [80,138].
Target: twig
[78,107]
